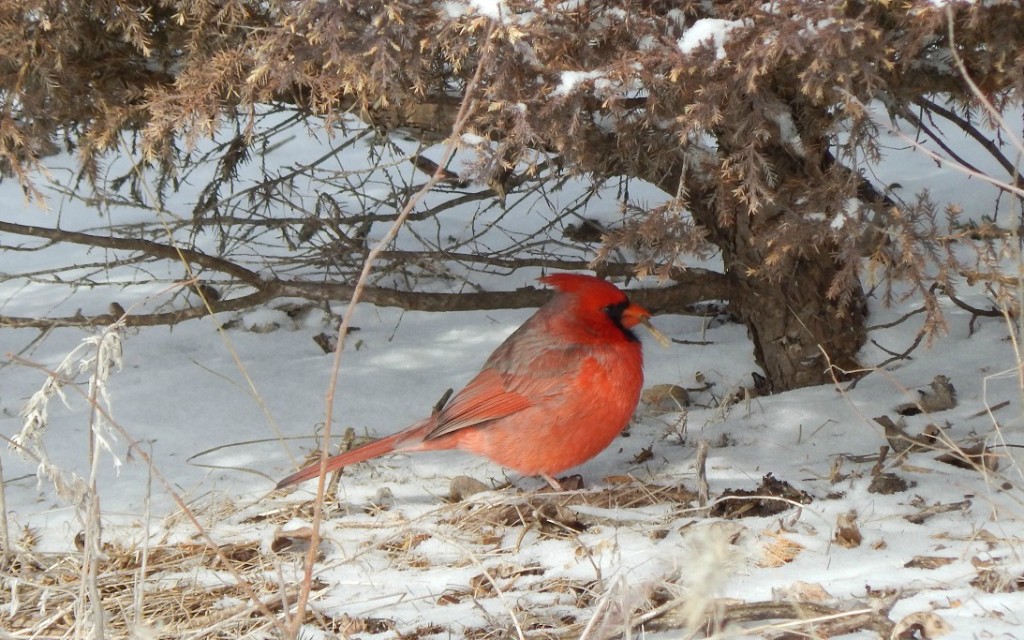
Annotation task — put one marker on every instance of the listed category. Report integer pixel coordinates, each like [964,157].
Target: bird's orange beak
[634,314]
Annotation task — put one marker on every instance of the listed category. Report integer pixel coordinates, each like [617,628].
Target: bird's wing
[487,397]
[500,391]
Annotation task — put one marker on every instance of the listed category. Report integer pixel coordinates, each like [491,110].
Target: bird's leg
[569,483]
[551,481]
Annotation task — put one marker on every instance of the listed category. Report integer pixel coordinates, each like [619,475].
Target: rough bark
[802,335]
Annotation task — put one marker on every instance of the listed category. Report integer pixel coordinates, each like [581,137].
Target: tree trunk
[802,337]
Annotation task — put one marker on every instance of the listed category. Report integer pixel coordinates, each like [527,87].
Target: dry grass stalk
[184,593]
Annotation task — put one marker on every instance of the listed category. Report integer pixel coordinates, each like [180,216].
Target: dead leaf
[928,562]
[665,398]
[291,540]
[461,487]
[922,625]
[940,397]
[328,342]
[645,454]
[481,586]
[975,458]
[779,551]
[899,440]
[935,509]
[888,483]
[772,497]
[847,532]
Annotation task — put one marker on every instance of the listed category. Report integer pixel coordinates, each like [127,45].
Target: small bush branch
[690,285]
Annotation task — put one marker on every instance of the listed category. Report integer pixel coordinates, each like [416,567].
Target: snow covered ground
[225,414]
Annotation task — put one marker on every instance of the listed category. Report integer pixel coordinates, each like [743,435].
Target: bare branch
[137,244]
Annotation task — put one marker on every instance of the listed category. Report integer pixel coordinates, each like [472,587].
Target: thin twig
[897,321]
[5,538]
[967,127]
[702,475]
[899,356]
[985,313]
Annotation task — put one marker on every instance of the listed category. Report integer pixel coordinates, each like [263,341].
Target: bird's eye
[614,311]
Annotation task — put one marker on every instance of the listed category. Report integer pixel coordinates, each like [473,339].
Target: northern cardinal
[552,396]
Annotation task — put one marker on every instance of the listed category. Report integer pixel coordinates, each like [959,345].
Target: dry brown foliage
[760,139]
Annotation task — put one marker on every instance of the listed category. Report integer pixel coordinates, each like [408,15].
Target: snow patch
[494,9]
[572,79]
[714,29]
[473,139]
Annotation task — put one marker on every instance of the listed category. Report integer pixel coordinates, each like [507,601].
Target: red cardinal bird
[552,396]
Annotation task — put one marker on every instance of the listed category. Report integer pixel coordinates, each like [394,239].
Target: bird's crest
[586,286]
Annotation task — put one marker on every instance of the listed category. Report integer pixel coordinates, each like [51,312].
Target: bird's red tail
[365,452]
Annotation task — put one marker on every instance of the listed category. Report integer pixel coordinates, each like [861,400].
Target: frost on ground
[807,527]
